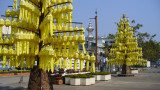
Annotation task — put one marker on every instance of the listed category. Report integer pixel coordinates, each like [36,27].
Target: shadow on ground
[114,75]
[11,88]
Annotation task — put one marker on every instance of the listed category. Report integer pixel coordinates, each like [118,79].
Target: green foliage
[106,49]
[58,75]
[80,76]
[137,27]
[134,69]
[100,73]
[3,72]
[111,36]
[150,47]
[68,75]
[61,69]
[19,71]
[151,50]
[16,71]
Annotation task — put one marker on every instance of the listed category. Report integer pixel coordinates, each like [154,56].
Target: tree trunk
[39,80]
[126,69]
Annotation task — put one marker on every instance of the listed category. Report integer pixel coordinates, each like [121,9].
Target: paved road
[147,80]
[12,82]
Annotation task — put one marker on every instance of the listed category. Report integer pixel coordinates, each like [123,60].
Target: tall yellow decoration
[43,32]
[125,50]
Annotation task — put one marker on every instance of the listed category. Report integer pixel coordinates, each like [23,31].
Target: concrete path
[147,80]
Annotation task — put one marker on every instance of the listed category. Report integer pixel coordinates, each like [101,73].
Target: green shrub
[100,73]
[85,76]
[19,71]
[3,72]
[68,75]
[80,76]
[134,69]
[16,71]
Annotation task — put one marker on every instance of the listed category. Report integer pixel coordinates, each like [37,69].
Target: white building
[91,41]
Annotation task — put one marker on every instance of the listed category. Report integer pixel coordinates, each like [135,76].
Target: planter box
[105,77]
[79,81]
[134,71]
[27,73]
[59,82]
[7,74]
[58,78]
[75,81]
[61,72]
[85,81]
[97,77]
[118,72]
[67,80]
[92,80]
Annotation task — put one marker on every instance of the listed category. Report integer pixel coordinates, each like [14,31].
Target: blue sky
[146,12]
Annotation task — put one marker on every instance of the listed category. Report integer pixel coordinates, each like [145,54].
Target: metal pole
[21,79]
[96,38]
[96,35]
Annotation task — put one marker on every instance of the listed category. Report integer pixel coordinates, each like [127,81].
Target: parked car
[5,68]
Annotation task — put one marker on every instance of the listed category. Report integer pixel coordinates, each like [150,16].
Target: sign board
[148,64]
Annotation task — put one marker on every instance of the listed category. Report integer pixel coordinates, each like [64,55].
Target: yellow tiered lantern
[125,50]
[87,58]
[92,62]
[81,57]
[43,32]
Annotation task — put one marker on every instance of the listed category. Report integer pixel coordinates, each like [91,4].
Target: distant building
[158,62]
[90,43]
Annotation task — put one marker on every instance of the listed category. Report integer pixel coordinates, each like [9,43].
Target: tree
[111,36]
[151,50]
[150,46]
[125,50]
[36,35]
[106,48]
[145,40]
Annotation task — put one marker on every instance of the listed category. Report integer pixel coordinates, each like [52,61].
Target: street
[146,80]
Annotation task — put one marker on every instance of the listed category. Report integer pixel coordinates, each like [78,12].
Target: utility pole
[96,35]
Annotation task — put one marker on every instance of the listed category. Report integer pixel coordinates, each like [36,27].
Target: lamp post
[96,34]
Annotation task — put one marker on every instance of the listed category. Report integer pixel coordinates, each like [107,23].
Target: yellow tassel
[70,63]
[53,2]
[11,61]
[52,65]
[60,63]
[22,62]
[57,63]
[15,4]
[84,50]
[16,61]
[51,27]
[26,15]
[4,61]
[20,47]
[27,47]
